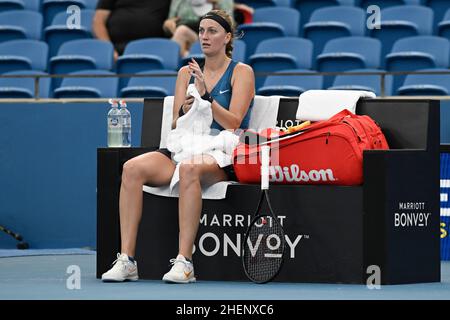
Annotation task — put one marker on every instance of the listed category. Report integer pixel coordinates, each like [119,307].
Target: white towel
[216,191]
[166,122]
[264,113]
[316,105]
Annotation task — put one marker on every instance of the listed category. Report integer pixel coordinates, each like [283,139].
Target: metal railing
[382,75]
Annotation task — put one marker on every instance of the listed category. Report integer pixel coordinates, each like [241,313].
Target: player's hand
[187,104]
[196,72]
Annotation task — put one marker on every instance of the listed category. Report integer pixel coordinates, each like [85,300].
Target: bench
[335,234]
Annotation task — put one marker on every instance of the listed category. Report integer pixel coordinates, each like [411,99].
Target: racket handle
[265,159]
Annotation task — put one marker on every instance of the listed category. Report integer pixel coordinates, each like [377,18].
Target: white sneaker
[182,271]
[122,270]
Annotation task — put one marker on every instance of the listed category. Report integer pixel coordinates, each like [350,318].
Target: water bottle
[114,125]
[125,117]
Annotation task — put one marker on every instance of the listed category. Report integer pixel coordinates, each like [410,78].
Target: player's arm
[180,93]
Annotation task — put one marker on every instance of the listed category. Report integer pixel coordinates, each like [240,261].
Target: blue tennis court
[45,277]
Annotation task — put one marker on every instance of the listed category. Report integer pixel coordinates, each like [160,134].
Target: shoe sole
[191,280]
[120,280]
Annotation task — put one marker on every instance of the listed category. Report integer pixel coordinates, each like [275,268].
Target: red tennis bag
[326,152]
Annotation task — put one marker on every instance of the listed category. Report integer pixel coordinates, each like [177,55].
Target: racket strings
[263,256]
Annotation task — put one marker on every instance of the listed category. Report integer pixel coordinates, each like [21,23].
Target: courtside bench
[335,234]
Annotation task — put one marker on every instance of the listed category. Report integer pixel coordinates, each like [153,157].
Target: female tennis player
[230,87]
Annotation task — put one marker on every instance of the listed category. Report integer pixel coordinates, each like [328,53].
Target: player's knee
[189,172]
[131,171]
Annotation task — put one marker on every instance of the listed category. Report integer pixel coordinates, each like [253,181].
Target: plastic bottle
[114,125]
[125,117]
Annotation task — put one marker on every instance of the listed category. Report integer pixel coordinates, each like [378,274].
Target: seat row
[272,55]
[161,83]
[341,21]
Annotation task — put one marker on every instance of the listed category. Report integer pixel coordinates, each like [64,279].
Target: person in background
[184,19]
[121,21]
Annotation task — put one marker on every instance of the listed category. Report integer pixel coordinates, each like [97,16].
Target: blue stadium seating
[334,22]
[348,53]
[91,4]
[363,82]
[415,53]
[20,24]
[255,4]
[254,33]
[288,18]
[384,3]
[50,8]
[24,87]
[23,55]
[307,7]
[89,87]
[151,87]
[58,32]
[400,22]
[81,54]
[279,54]
[439,7]
[239,50]
[444,26]
[290,85]
[7,5]
[33,5]
[426,84]
[148,54]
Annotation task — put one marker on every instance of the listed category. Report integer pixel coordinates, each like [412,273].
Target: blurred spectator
[243,13]
[121,21]
[184,19]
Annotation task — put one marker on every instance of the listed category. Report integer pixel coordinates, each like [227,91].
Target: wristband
[207,97]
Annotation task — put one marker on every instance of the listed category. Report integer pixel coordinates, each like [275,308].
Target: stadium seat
[363,82]
[50,8]
[23,55]
[148,54]
[426,84]
[400,22]
[384,3]
[415,53]
[91,4]
[33,5]
[257,31]
[288,18]
[444,26]
[334,22]
[58,32]
[89,87]
[279,54]
[151,87]
[439,8]
[290,85]
[24,87]
[20,24]
[80,55]
[348,53]
[307,7]
[7,5]
[255,4]
[239,50]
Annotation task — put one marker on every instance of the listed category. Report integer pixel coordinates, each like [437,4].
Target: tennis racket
[22,244]
[264,242]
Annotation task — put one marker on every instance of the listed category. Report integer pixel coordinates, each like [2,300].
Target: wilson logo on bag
[326,152]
